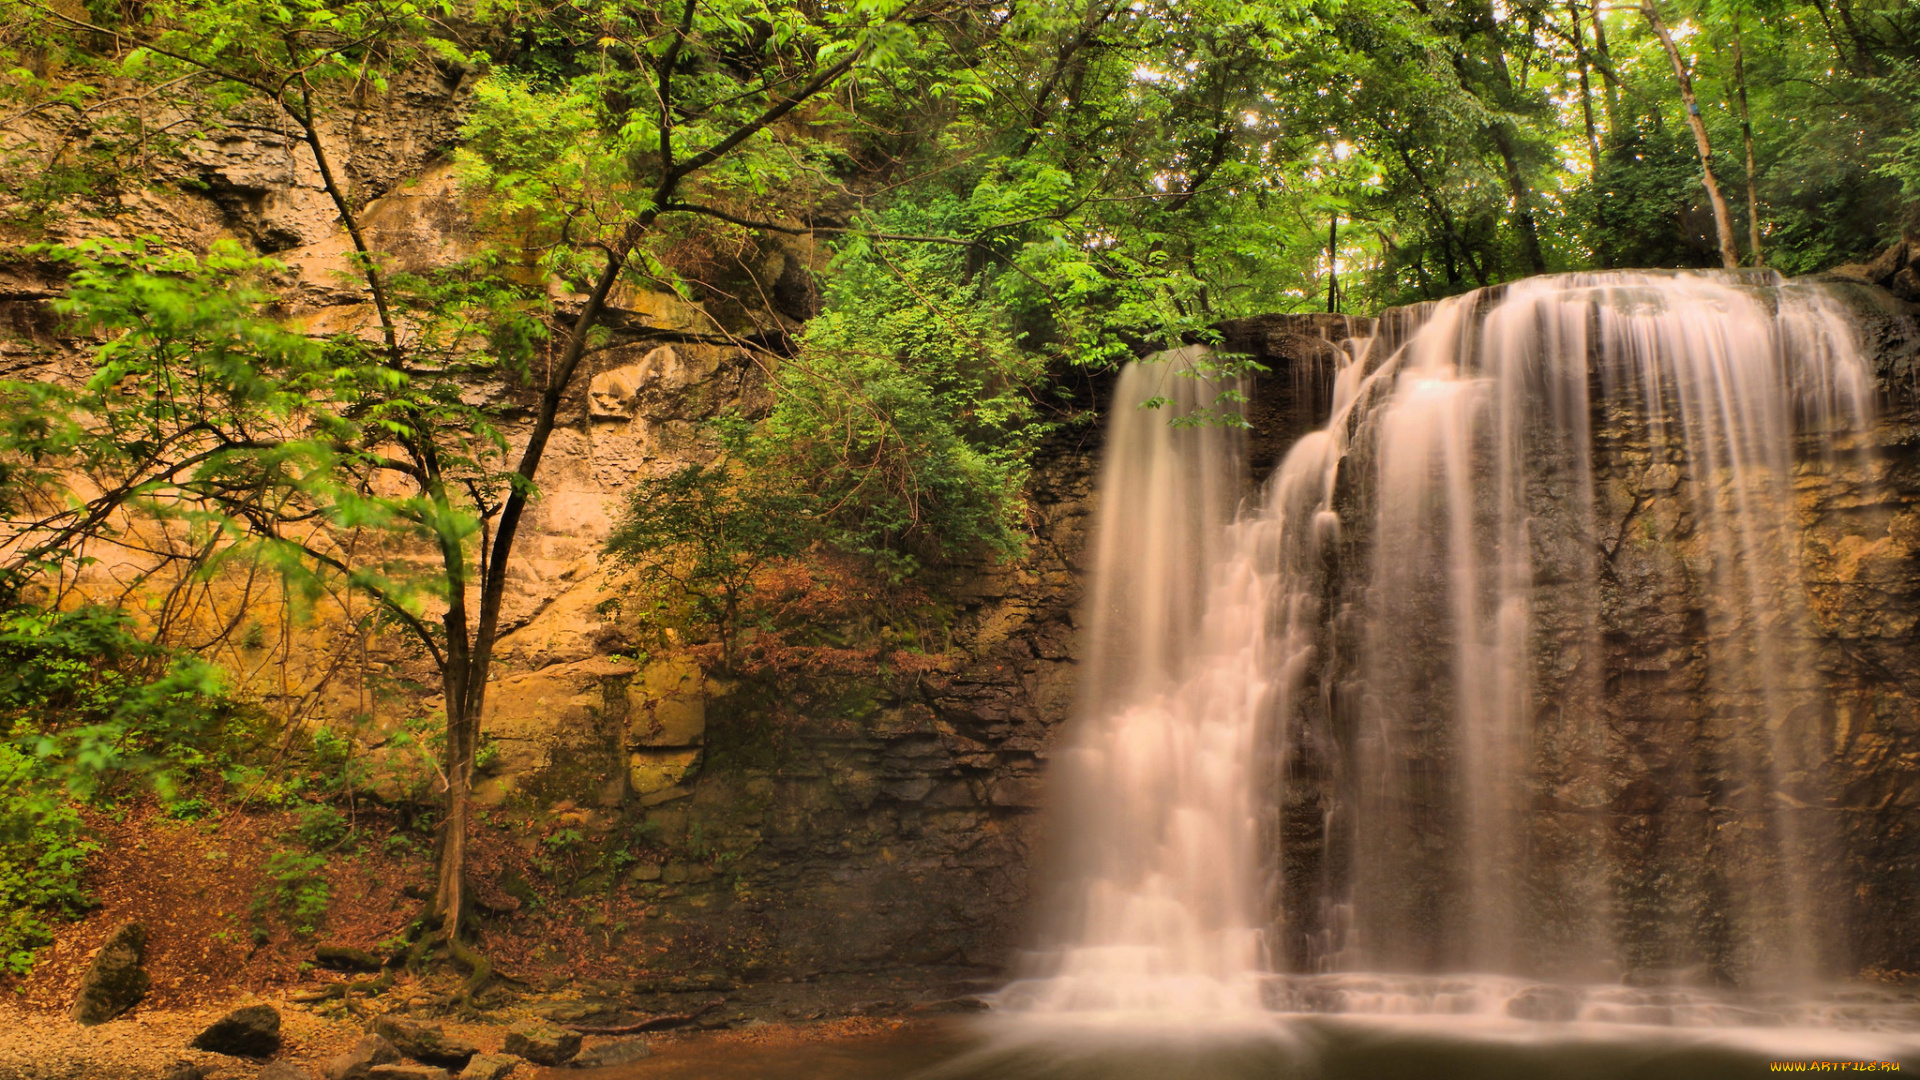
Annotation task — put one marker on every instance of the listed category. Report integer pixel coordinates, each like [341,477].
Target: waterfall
[1507,670]
[1567,491]
[1157,912]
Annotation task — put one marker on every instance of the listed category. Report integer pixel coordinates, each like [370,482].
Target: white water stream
[1158,913]
[1424,591]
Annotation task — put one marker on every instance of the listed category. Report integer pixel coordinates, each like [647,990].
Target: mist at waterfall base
[1368,776]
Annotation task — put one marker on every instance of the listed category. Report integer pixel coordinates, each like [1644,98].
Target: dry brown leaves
[193,886]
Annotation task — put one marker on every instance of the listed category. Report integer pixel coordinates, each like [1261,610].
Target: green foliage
[42,853]
[204,409]
[487,758]
[909,414]
[89,708]
[569,144]
[185,387]
[900,434]
[296,890]
[1645,207]
[319,826]
[85,696]
[702,531]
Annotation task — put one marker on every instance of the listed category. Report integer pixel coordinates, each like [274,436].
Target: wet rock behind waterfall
[1552,1004]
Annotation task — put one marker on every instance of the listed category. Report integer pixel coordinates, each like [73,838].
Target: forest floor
[221,900]
[149,1044]
[211,899]
[229,903]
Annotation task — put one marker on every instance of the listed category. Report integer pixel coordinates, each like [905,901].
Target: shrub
[89,709]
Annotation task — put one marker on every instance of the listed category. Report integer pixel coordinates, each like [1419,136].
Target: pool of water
[1298,1047]
[909,1050]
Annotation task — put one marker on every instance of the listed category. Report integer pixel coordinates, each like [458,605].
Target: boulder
[489,1067]
[1906,284]
[115,981]
[542,1044]
[284,1070]
[620,1052]
[249,1031]
[422,1042]
[184,1070]
[1882,268]
[408,1071]
[360,1059]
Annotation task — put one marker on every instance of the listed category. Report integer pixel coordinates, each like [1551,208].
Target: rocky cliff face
[1861,555]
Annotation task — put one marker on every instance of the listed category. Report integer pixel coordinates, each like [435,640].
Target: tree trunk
[1450,236]
[469,659]
[456,680]
[1833,36]
[1863,62]
[1586,87]
[1746,135]
[451,895]
[1605,56]
[1482,19]
[1722,221]
[1522,198]
[1333,264]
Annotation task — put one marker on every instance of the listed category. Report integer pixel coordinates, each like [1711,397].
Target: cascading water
[1157,913]
[1529,614]
[1516,457]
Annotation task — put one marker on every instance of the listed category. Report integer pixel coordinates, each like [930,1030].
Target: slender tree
[1499,90]
[1603,59]
[1746,138]
[1586,85]
[1722,220]
[1333,263]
